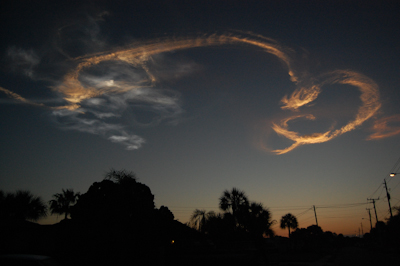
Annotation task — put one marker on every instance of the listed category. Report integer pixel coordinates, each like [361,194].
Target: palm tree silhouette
[289,221]
[22,205]
[233,201]
[257,220]
[62,202]
[199,219]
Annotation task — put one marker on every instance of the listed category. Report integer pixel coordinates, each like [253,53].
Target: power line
[394,169]
[395,165]
[395,186]
[346,216]
[302,213]
[352,209]
[277,209]
[309,219]
[375,191]
[348,205]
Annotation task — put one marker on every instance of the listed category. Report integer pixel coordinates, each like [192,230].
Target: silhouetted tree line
[314,238]
[116,221]
[240,219]
[386,233]
[21,205]
[113,222]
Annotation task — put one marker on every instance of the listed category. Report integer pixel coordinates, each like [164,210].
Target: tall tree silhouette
[118,197]
[22,205]
[199,219]
[256,220]
[232,201]
[289,221]
[117,216]
[62,202]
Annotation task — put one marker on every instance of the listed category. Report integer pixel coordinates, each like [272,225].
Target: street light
[387,193]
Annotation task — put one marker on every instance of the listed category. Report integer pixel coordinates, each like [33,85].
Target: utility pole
[376,215]
[388,197]
[377,226]
[370,221]
[315,213]
[362,229]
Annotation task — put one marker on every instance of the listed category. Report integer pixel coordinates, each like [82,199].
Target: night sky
[295,102]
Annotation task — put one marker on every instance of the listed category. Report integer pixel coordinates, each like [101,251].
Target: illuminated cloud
[128,82]
[282,129]
[369,96]
[300,97]
[383,129]
[101,88]
[138,56]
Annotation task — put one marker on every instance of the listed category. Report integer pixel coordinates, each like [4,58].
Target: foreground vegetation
[116,221]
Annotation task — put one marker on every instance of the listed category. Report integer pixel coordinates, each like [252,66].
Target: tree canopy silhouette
[118,215]
[256,220]
[199,219]
[393,228]
[22,205]
[246,217]
[289,221]
[117,198]
[62,202]
[232,201]
[166,213]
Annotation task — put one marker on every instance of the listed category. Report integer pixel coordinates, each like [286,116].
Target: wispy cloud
[117,133]
[138,56]
[130,79]
[23,60]
[98,89]
[18,97]
[385,127]
[81,36]
[370,104]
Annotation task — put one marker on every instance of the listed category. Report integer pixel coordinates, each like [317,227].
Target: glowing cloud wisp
[369,98]
[95,102]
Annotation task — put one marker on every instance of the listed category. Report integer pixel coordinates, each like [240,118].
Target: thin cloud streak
[18,97]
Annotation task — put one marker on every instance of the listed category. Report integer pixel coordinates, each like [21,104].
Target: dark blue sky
[190,96]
